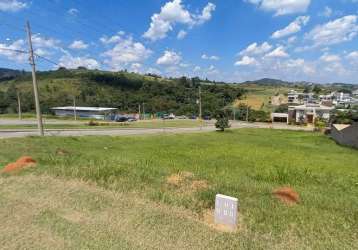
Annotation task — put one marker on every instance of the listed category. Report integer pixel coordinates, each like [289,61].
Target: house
[295,97]
[85,112]
[308,113]
[345,134]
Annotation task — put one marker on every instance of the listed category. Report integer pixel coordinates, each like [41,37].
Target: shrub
[222,120]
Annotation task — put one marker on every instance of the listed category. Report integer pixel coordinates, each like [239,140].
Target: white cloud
[330,58]
[327,12]
[169,58]
[353,56]
[12,5]
[212,70]
[44,42]
[153,71]
[42,46]
[291,39]
[278,52]
[255,49]
[334,32]
[7,51]
[113,39]
[206,14]
[197,69]
[172,13]
[292,28]
[73,11]
[78,44]
[246,60]
[125,51]
[70,62]
[136,67]
[282,7]
[182,34]
[206,57]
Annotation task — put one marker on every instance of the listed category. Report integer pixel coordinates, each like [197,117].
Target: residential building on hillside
[308,113]
[295,97]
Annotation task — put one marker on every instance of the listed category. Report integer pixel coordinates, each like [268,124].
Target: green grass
[246,163]
[113,125]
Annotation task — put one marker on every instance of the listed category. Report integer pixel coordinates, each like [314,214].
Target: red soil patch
[287,195]
[21,163]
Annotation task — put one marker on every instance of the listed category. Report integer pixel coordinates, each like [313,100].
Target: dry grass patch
[185,182]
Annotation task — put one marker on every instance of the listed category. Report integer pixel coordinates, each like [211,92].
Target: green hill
[121,90]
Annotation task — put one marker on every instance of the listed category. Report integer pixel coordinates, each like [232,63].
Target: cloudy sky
[231,40]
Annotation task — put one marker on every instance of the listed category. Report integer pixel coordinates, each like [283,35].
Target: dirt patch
[199,185]
[21,163]
[62,152]
[287,195]
[186,182]
[208,219]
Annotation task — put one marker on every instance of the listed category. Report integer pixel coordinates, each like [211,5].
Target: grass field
[120,192]
[113,125]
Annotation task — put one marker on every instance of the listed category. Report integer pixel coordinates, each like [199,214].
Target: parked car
[121,119]
[132,119]
[182,117]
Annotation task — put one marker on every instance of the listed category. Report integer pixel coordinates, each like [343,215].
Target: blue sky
[231,40]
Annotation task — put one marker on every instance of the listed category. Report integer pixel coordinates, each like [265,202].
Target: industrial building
[98,113]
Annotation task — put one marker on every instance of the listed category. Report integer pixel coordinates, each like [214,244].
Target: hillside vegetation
[121,90]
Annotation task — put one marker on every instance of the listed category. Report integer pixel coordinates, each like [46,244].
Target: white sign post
[226,210]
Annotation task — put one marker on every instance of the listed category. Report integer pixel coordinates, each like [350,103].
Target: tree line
[122,90]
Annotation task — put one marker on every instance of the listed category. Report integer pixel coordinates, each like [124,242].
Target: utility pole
[200,108]
[247,113]
[234,112]
[19,104]
[34,82]
[139,112]
[143,111]
[74,108]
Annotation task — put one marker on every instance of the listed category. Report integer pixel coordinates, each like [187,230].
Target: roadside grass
[113,125]
[245,163]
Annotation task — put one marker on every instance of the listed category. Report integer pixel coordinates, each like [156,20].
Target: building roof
[340,127]
[90,109]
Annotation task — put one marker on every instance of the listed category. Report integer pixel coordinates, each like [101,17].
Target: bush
[222,120]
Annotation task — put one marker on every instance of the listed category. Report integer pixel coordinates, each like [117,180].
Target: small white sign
[226,210]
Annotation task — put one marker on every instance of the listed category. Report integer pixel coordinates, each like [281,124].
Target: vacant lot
[157,191]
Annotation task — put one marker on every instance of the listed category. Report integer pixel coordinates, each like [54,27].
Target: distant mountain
[277,82]
[268,82]
[9,74]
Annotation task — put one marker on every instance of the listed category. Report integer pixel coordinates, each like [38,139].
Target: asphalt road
[139,131]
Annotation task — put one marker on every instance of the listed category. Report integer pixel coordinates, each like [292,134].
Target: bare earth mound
[287,195]
[21,163]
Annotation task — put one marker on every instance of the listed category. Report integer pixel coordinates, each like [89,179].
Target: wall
[347,136]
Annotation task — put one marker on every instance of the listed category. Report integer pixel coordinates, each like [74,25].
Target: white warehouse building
[98,113]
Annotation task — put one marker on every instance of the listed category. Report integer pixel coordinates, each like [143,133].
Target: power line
[47,59]
[15,50]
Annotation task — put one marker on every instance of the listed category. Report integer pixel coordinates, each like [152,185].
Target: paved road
[11,121]
[138,131]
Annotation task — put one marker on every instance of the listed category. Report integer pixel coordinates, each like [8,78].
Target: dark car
[121,119]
